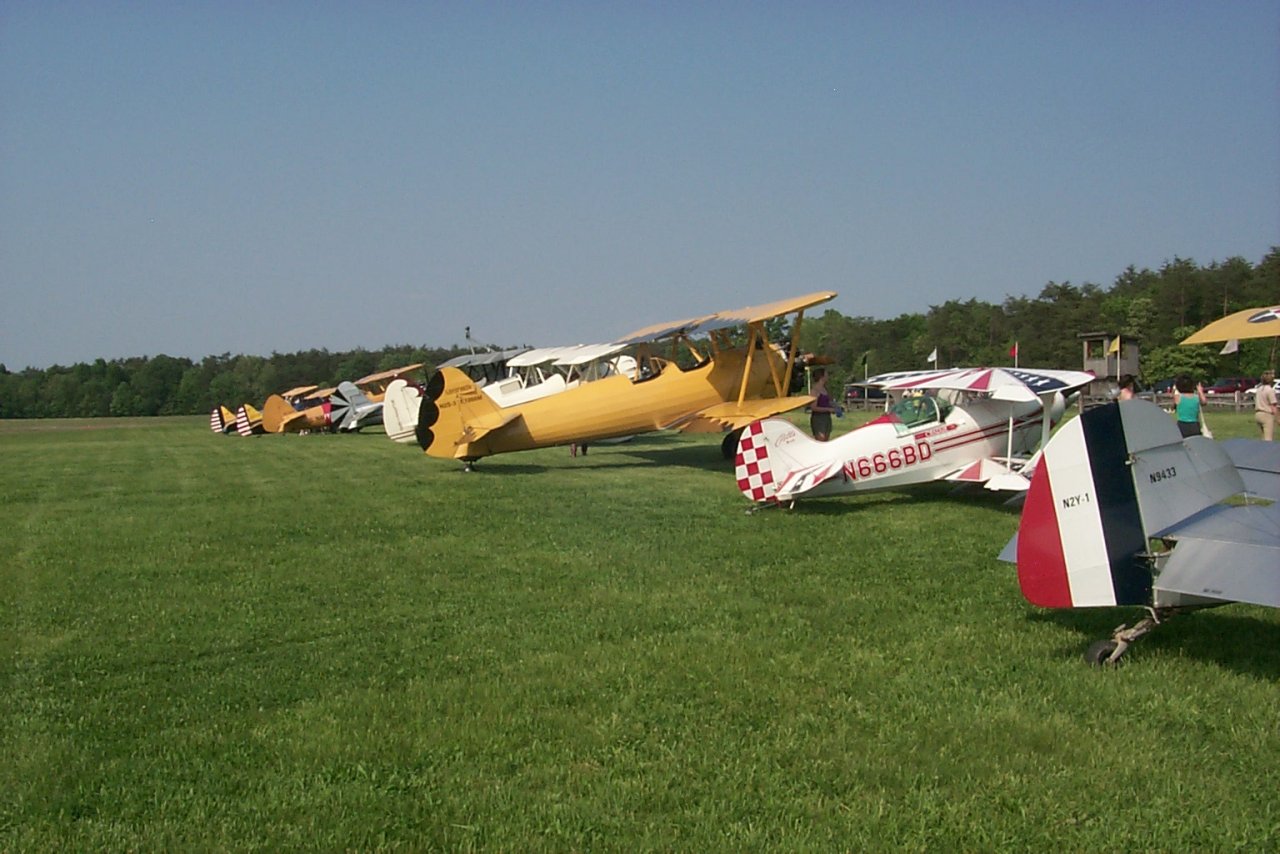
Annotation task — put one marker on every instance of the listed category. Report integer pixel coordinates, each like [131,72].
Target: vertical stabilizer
[1081,532]
[777,461]
[248,420]
[275,413]
[450,403]
[400,410]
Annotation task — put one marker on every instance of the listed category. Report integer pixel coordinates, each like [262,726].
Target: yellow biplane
[310,408]
[729,386]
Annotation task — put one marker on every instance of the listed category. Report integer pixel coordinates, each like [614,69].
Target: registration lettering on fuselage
[884,462]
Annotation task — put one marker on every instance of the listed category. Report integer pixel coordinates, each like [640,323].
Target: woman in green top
[1187,400]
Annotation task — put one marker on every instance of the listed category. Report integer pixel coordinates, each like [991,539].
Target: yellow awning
[1261,322]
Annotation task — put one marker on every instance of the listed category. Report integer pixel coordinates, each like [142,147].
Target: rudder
[449,402]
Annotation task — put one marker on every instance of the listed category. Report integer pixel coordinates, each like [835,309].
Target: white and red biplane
[969,425]
[1123,511]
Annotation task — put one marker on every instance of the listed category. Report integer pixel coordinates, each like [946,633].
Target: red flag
[1013,351]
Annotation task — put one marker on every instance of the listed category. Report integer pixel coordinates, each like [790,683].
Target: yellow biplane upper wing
[658,331]
[299,391]
[734,415]
[760,313]
[384,378]
[726,319]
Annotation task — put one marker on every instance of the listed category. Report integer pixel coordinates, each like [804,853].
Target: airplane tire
[1099,651]
[729,445]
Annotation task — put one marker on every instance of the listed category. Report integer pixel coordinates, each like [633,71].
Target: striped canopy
[999,383]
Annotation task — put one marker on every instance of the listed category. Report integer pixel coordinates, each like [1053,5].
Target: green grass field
[333,643]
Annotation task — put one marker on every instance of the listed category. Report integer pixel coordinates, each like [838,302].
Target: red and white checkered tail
[752,466]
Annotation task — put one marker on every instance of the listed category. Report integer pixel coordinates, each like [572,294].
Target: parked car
[854,393]
[1251,392]
[1231,385]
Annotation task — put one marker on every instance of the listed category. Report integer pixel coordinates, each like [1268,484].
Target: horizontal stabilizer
[1258,463]
[1229,553]
[980,471]
[733,415]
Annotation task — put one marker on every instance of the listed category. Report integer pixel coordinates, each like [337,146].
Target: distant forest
[1156,309]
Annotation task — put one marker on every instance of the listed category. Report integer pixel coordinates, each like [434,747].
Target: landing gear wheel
[729,445]
[1099,653]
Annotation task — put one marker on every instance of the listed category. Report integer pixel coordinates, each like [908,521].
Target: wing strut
[746,368]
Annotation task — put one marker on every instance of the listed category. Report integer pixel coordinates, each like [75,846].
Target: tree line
[1154,308]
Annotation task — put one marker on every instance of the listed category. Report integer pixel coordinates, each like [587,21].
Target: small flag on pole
[1013,351]
[1230,347]
[1115,346]
[933,357]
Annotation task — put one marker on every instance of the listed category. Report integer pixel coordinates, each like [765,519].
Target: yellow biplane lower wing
[734,415]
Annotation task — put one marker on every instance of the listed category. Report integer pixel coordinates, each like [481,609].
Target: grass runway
[333,643]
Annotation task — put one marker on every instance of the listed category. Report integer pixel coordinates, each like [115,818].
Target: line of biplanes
[1118,510]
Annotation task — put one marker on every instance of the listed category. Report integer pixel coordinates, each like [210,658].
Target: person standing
[1187,400]
[1264,406]
[1127,384]
[821,409]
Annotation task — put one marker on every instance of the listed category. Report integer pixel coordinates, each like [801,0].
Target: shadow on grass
[654,449]
[1237,642]
[925,495]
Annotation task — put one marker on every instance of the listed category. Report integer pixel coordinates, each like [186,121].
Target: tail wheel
[1099,653]
[729,445]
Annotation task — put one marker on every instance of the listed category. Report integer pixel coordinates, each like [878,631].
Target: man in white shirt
[1264,406]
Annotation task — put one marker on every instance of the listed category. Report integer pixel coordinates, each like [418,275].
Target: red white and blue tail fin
[1108,482]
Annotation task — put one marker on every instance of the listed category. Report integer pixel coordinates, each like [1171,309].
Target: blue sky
[197,178]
